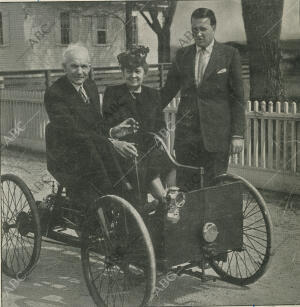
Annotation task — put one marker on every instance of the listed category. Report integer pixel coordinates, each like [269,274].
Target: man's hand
[128,126]
[237,145]
[125,149]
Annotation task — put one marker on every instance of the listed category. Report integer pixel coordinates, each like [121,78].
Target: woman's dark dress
[118,105]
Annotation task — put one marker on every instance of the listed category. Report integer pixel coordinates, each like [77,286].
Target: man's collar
[76,86]
[208,49]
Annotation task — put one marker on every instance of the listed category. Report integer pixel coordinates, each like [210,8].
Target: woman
[141,103]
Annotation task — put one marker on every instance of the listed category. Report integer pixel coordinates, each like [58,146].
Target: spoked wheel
[21,232]
[246,266]
[117,255]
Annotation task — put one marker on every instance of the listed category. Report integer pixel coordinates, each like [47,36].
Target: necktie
[83,95]
[201,66]
[136,95]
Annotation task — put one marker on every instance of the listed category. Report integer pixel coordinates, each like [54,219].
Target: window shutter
[94,29]
[107,20]
[57,29]
[5,27]
[75,28]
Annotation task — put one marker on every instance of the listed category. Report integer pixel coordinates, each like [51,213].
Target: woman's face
[134,77]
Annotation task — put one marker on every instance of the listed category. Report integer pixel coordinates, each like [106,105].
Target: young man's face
[203,31]
[134,77]
[77,68]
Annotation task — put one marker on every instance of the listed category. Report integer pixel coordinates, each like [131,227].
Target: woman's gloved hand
[128,126]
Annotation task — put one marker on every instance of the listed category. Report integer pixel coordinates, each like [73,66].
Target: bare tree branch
[147,20]
[155,25]
[162,29]
[170,13]
[153,11]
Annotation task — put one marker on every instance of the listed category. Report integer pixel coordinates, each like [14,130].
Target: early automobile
[226,227]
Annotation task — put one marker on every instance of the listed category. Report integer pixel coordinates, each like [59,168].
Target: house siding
[15,45]
[25,51]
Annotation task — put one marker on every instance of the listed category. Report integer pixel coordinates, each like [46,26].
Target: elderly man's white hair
[75,49]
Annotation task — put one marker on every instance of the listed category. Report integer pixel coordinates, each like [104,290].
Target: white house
[33,35]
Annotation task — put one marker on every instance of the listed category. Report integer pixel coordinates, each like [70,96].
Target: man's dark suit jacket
[118,105]
[76,139]
[219,100]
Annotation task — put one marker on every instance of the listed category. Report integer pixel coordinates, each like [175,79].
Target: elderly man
[211,116]
[79,153]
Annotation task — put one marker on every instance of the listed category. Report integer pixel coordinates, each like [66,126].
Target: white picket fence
[271,155]
[23,119]
[270,159]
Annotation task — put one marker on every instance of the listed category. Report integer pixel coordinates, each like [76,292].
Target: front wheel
[117,255]
[21,231]
[247,265]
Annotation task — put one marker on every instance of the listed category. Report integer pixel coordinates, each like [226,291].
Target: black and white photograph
[150,153]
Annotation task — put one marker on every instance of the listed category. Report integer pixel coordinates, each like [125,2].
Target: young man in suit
[211,114]
[80,154]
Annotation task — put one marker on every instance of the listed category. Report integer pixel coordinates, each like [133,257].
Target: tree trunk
[164,38]
[262,20]
[162,30]
[128,24]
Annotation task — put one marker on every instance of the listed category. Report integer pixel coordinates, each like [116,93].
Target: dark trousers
[194,154]
[148,166]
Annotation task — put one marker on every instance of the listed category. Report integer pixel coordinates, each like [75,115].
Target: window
[134,30]
[1,31]
[101,30]
[65,28]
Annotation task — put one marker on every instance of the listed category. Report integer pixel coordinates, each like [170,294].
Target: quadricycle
[225,227]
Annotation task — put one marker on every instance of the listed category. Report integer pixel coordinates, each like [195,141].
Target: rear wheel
[117,255]
[21,232]
[246,266]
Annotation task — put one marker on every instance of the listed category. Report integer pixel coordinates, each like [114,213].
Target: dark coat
[76,139]
[118,105]
[219,100]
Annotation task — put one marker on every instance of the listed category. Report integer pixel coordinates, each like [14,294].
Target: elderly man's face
[203,31]
[77,67]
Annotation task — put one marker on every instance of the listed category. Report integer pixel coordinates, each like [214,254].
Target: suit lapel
[84,111]
[70,92]
[189,63]
[213,61]
[94,97]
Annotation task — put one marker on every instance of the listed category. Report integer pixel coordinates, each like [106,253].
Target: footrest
[200,275]
[180,269]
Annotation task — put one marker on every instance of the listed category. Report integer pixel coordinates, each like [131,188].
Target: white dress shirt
[78,87]
[206,53]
